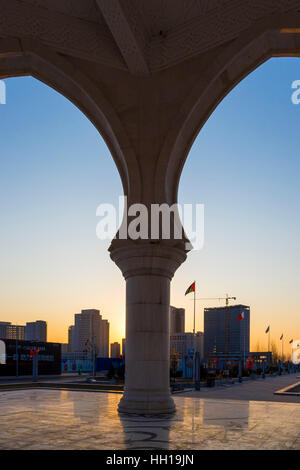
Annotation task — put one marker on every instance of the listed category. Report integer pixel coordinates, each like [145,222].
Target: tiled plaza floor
[257,390]
[53,419]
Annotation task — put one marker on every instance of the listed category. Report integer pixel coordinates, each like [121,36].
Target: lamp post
[17,357]
[34,357]
[240,371]
[94,357]
[197,374]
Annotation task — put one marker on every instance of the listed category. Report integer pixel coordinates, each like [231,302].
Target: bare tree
[274,351]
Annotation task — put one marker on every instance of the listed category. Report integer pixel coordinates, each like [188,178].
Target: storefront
[17,358]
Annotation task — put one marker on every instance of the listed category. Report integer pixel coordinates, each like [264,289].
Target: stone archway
[31,58]
[148,78]
[232,65]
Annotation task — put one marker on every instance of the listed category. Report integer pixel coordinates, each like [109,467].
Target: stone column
[148,270]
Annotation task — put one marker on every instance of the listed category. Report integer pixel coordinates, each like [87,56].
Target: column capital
[155,258]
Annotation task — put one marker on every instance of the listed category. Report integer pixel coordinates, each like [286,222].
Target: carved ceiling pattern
[137,35]
[128,32]
[62,32]
[165,15]
[83,9]
[216,27]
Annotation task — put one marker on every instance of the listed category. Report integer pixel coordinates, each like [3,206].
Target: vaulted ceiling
[141,36]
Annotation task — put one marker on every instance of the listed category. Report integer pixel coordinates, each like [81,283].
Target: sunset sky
[55,170]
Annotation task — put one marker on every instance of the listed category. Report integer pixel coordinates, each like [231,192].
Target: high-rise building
[104,339]
[36,331]
[70,330]
[177,320]
[15,332]
[115,350]
[3,329]
[123,346]
[9,331]
[90,331]
[64,348]
[87,330]
[225,336]
[33,331]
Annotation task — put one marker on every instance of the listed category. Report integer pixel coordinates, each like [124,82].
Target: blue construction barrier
[104,363]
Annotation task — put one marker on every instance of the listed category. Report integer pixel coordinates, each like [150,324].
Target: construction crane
[227,298]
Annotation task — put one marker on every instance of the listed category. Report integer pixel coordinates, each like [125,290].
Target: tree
[274,351]
[258,347]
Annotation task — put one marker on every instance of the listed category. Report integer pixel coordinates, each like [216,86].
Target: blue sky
[244,167]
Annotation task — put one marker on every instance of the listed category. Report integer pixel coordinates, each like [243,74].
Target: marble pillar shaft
[148,271]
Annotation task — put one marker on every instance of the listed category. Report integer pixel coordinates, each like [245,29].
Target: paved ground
[256,390]
[44,378]
[53,419]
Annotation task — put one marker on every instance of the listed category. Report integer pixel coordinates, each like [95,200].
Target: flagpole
[244,341]
[194,338]
[194,308]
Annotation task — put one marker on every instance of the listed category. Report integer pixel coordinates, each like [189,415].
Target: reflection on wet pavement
[53,419]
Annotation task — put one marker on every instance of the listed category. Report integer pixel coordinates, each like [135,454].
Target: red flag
[32,353]
[241,316]
[191,288]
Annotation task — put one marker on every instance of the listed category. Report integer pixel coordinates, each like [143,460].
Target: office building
[70,330]
[16,332]
[3,329]
[9,331]
[49,358]
[71,340]
[115,351]
[183,343]
[36,331]
[225,336]
[177,320]
[104,339]
[64,348]
[89,332]
[123,347]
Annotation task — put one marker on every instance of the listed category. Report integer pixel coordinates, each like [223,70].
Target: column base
[139,402]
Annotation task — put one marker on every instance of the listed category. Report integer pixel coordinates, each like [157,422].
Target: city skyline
[257,347]
[50,191]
